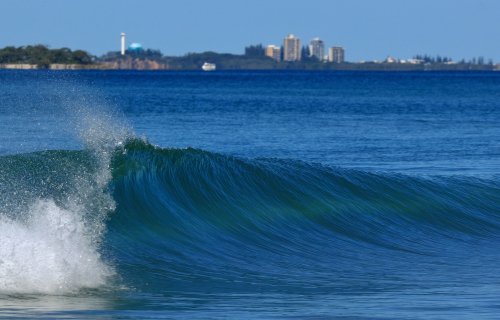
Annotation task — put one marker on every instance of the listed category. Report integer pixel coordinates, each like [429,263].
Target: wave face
[190,220]
[186,220]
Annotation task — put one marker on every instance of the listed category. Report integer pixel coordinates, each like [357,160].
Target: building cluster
[291,50]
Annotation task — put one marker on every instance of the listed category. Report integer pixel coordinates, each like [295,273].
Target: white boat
[208,66]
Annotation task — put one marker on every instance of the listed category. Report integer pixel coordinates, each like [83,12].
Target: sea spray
[51,229]
[55,204]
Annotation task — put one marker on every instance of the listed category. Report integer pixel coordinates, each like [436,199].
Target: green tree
[81,57]
[305,54]
[255,51]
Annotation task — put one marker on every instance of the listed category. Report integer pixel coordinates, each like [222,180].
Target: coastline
[151,65]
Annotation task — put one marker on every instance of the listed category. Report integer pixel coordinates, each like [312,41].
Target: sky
[367,29]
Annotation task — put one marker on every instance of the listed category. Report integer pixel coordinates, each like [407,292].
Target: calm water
[249,195]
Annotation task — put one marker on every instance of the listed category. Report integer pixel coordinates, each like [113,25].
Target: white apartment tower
[291,48]
[336,55]
[317,48]
[273,52]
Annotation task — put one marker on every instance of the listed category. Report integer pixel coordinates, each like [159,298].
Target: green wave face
[194,219]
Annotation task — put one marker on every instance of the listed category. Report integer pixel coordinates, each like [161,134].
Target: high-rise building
[274,52]
[336,55]
[317,48]
[291,48]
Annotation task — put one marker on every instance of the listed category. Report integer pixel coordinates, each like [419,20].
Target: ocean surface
[249,195]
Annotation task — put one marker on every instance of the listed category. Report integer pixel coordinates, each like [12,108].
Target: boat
[208,66]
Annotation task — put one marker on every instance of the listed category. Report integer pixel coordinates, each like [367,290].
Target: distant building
[274,52]
[122,43]
[317,48]
[291,47]
[411,61]
[390,59]
[135,47]
[336,55]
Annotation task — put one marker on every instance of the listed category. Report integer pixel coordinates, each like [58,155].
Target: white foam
[49,252]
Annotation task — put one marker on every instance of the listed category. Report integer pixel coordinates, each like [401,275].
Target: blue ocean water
[259,195]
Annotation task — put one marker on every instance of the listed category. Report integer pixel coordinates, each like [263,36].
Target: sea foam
[50,252]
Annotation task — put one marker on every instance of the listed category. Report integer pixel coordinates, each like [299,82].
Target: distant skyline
[367,29]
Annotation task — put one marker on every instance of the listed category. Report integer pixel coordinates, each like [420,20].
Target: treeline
[255,51]
[439,59]
[42,56]
[149,54]
[226,61]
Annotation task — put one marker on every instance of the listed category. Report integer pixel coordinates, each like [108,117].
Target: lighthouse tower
[123,43]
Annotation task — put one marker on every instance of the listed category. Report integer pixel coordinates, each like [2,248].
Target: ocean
[249,195]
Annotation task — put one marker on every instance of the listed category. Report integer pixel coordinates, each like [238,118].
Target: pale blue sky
[368,29]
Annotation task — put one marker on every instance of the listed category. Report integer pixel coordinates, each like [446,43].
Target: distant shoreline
[362,67]
[41,57]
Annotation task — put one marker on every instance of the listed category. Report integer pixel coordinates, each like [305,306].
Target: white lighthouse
[123,44]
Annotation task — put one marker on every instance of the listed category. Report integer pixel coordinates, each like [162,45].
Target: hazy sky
[367,29]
